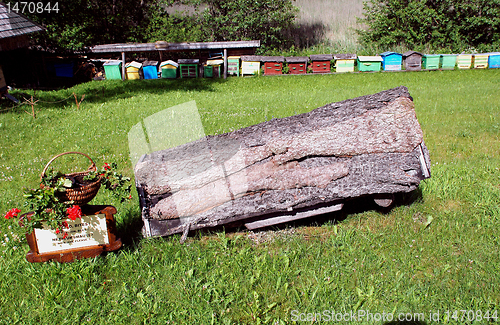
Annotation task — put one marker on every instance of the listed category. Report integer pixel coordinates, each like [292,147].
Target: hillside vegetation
[330,21]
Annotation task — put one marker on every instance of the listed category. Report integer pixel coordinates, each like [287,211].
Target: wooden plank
[297,216]
[148,47]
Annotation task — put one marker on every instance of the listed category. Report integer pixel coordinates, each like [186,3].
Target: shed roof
[272,59]
[411,53]
[250,58]
[149,63]
[321,57]
[390,53]
[113,62]
[164,46]
[134,64]
[373,58]
[169,62]
[347,56]
[13,24]
[297,59]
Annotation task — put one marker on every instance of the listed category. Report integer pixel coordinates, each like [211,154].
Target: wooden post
[123,66]
[225,63]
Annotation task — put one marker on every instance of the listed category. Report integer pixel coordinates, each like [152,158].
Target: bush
[456,25]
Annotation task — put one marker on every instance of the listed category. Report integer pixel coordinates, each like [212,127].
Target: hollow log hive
[286,169]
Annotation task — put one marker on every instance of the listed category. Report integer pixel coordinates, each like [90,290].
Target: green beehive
[112,69]
[369,63]
[233,65]
[431,61]
[208,71]
[213,68]
[344,62]
[188,68]
[448,61]
[169,69]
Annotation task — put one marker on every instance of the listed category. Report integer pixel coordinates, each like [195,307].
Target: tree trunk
[288,168]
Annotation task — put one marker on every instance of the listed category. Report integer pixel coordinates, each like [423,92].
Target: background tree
[456,25]
[83,23]
[269,21]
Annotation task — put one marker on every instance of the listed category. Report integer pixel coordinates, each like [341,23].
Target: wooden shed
[369,63]
[481,61]
[412,61]
[494,60]
[344,62]
[14,34]
[250,65]
[391,61]
[464,61]
[448,61]
[201,50]
[273,65]
[297,64]
[320,63]
[188,68]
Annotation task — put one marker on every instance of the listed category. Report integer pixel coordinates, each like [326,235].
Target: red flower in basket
[12,213]
[74,212]
[107,166]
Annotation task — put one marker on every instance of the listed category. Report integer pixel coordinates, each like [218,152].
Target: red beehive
[272,64]
[297,64]
[321,62]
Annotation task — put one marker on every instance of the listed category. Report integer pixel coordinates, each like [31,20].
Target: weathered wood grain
[286,167]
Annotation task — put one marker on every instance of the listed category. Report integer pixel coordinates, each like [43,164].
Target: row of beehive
[188,68]
[387,61]
[320,63]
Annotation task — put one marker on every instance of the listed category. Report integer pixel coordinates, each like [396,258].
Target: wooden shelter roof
[13,24]
[164,46]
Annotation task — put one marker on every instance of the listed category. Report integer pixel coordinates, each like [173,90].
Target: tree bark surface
[367,145]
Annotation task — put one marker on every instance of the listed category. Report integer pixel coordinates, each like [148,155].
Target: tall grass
[339,19]
[438,254]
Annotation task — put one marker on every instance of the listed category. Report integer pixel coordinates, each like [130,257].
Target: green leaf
[428,222]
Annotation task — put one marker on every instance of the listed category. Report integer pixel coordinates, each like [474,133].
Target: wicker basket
[80,195]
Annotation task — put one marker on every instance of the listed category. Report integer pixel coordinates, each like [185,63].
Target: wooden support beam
[123,66]
[225,63]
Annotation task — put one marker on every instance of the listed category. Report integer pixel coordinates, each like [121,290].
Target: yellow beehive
[481,61]
[464,61]
[132,69]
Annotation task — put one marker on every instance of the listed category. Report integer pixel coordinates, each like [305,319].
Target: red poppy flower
[58,231]
[65,235]
[74,212]
[107,166]
[12,213]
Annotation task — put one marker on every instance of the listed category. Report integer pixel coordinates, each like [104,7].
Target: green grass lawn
[438,254]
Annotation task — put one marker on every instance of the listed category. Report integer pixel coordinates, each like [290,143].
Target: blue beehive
[391,61]
[150,69]
[64,70]
[494,60]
